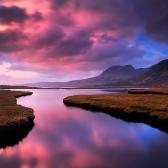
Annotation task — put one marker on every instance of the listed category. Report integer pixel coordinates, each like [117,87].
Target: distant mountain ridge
[157,75]
[119,70]
[16,87]
[127,75]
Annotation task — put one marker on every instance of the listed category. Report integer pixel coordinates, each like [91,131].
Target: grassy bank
[148,108]
[13,116]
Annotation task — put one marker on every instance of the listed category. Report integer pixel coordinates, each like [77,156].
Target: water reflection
[71,137]
[13,137]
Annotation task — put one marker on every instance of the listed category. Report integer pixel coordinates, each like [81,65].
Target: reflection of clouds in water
[14,161]
[71,137]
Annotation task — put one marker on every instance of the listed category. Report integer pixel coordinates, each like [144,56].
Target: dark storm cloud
[60,44]
[37,16]
[12,14]
[154,13]
[59,3]
[78,43]
[77,33]
[126,15]
[112,52]
[11,40]
[102,6]
[113,14]
[49,38]
[64,19]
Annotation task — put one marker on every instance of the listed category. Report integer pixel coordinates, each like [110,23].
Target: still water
[66,137]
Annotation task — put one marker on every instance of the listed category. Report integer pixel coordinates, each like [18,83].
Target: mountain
[115,75]
[127,75]
[157,75]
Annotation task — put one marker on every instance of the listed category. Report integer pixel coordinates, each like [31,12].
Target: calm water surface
[66,137]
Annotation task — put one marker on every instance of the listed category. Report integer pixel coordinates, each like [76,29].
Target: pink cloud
[67,36]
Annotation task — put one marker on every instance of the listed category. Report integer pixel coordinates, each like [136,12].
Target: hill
[127,75]
[157,75]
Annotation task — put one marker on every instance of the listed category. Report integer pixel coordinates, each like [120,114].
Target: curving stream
[66,137]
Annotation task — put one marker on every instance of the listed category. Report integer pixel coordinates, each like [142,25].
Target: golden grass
[147,108]
[11,114]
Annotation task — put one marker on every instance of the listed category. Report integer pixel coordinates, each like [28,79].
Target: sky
[61,40]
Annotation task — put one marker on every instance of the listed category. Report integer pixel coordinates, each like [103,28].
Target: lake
[66,137]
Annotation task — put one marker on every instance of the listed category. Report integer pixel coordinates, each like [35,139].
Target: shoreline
[159,91]
[87,87]
[151,109]
[12,115]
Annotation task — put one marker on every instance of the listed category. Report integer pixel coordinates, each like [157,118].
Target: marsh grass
[11,114]
[148,108]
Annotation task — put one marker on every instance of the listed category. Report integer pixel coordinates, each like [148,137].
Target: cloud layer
[58,37]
